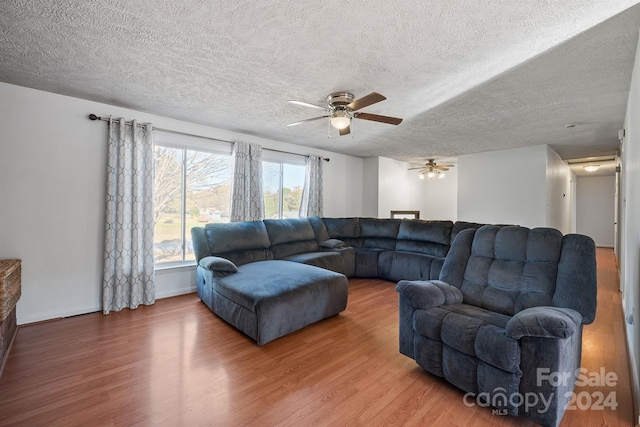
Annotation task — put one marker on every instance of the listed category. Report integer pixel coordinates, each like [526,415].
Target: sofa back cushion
[319,228]
[458,226]
[425,237]
[379,233]
[345,229]
[507,269]
[240,242]
[291,236]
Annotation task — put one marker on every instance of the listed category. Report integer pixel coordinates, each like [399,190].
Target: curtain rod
[105,119]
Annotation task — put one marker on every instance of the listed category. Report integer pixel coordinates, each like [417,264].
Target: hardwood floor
[176,363]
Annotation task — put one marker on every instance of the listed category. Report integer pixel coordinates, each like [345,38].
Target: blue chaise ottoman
[269,299]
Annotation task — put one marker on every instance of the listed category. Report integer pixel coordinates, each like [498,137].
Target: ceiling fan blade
[377,118]
[411,169]
[306,104]
[365,101]
[308,120]
[441,168]
[345,131]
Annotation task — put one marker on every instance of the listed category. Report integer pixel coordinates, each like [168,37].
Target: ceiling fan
[431,169]
[342,107]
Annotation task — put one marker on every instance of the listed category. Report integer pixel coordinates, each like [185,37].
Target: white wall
[399,189]
[441,197]
[595,204]
[52,173]
[389,185]
[630,226]
[504,187]
[371,168]
[560,180]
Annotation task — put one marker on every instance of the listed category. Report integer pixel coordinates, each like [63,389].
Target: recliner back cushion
[240,242]
[512,268]
[291,236]
[426,237]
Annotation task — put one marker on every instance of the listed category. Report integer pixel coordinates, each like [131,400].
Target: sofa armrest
[332,244]
[427,294]
[218,264]
[544,322]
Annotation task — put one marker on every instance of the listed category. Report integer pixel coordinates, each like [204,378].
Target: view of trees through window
[282,185]
[191,188]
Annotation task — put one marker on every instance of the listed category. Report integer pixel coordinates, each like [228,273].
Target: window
[192,187]
[282,184]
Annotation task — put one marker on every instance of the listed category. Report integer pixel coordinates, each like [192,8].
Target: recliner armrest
[544,322]
[218,264]
[427,294]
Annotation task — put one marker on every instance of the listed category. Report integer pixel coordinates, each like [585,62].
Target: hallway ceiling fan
[431,169]
[342,107]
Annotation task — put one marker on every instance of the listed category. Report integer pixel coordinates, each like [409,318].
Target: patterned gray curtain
[128,279]
[312,199]
[247,202]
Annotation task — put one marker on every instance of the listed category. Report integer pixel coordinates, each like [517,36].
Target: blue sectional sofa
[269,278]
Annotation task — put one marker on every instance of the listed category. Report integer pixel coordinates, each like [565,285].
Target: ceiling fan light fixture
[432,174]
[343,106]
[591,168]
[441,175]
[340,119]
[421,175]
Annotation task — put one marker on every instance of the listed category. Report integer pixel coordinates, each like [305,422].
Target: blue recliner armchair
[505,316]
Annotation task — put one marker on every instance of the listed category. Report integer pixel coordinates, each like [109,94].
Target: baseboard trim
[176,292]
[35,318]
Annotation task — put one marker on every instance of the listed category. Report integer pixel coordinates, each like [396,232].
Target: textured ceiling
[466,75]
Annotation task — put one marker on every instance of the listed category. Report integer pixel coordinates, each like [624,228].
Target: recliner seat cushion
[472,331]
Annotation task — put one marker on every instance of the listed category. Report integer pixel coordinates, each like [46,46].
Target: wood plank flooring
[176,364]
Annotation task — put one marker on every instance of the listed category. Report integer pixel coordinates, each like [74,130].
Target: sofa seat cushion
[473,331]
[398,265]
[329,260]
